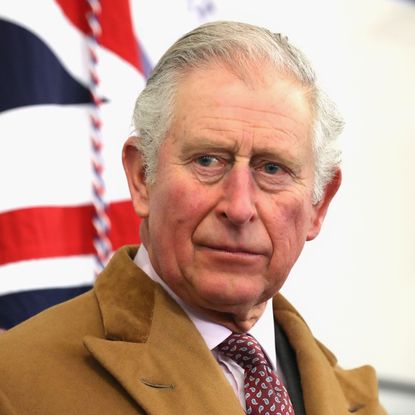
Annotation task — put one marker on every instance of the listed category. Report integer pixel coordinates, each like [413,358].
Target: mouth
[233,250]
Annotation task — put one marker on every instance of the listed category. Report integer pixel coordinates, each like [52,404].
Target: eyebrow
[207,144]
[202,145]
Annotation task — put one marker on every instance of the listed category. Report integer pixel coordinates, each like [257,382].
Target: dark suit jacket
[127,348]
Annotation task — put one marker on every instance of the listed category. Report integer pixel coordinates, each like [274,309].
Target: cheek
[296,214]
[288,229]
[177,209]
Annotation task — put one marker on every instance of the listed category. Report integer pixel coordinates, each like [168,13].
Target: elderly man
[232,169]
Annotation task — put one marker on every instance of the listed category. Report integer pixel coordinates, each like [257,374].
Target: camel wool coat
[127,348]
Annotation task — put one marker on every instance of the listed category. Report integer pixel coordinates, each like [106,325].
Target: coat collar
[327,388]
[149,342]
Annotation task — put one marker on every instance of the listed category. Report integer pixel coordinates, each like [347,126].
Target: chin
[224,299]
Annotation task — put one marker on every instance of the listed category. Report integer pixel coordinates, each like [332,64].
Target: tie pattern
[265,393]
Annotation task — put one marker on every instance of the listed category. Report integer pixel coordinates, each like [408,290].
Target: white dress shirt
[214,333]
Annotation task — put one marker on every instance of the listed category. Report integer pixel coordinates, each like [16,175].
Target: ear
[320,209]
[133,163]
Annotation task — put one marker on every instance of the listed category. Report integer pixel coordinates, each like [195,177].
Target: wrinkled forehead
[261,85]
[214,105]
[256,74]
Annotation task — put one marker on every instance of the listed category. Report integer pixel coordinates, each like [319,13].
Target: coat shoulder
[45,356]
[73,317]
[360,388]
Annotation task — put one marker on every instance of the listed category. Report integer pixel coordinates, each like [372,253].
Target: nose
[238,202]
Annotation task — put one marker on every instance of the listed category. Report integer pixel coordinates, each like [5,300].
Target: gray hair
[238,46]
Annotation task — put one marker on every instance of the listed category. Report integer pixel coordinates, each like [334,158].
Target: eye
[209,168]
[272,176]
[207,160]
[271,168]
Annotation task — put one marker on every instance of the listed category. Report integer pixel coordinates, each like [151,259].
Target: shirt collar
[214,333]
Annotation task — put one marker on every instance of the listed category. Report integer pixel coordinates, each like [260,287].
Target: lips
[232,249]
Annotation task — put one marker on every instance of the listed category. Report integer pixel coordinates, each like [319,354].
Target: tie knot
[244,350]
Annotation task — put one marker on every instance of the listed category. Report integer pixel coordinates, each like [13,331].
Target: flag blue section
[17,307]
[30,73]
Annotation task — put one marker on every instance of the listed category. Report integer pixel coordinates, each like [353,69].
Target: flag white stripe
[48,161]
[47,273]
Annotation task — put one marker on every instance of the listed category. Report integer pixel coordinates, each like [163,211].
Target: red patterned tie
[265,394]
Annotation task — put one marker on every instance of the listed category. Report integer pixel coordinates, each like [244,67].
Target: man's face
[231,205]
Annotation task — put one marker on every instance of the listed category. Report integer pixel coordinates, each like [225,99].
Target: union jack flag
[59,89]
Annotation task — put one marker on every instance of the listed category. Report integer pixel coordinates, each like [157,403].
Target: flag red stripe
[116,23]
[46,232]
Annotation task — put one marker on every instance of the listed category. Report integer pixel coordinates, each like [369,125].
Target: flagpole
[101,221]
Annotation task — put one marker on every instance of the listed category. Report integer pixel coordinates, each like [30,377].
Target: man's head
[238,46]
[235,168]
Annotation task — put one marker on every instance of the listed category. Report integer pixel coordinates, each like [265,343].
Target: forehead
[215,103]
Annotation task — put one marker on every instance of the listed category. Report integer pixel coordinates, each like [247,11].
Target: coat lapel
[327,389]
[152,348]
